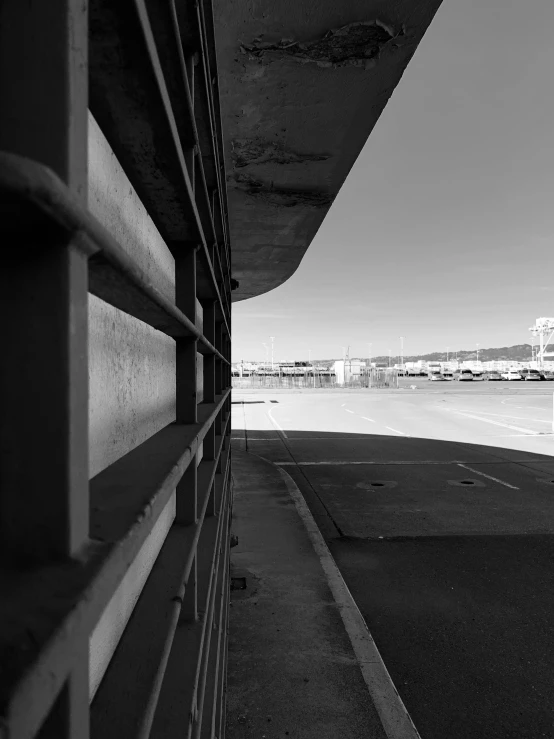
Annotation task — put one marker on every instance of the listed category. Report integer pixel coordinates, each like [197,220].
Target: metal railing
[377,378]
[67,544]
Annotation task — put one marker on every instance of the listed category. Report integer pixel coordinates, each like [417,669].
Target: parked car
[436,377]
[448,375]
[478,374]
[530,374]
[511,375]
[463,375]
[493,375]
[548,374]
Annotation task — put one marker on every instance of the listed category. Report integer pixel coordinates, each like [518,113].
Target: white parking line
[348,411]
[489,477]
[335,462]
[270,414]
[495,423]
[504,415]
[368,419]
[522,407]
[396,431]
[540,435]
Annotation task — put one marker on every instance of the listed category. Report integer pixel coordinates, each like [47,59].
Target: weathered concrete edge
[394,715]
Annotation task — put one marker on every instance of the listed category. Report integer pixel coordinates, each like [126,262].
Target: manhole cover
[372,484]
[467,483]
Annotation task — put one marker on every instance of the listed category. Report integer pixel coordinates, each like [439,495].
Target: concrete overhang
[302,84]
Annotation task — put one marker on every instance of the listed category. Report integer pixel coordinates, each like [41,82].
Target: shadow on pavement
[452,567]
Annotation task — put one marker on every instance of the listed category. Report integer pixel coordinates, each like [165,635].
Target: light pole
[369,345]
[447,350]
[477,353]
[390,356]
[265,346]
[272,338]
[401,352]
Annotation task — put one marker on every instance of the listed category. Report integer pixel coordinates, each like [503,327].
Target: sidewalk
[292,669]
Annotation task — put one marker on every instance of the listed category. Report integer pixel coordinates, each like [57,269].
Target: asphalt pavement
[437,504]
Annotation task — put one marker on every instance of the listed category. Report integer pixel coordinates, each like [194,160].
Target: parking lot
[437,504]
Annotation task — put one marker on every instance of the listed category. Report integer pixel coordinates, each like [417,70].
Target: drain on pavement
[468,482]
[238,583]
[377,484]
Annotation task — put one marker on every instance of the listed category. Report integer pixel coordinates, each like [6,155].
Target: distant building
[347,370]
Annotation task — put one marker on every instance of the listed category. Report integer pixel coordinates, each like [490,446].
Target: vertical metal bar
[209,378]
[212,509]
[69,717]
[44,85]
[213,115]
[44,506]
[186,373]
[187,514]
[209,359]
[187,411]
[44,394]
[187,496]
[218,334]
[187,391]
[190,155]
[44,401]
[219,364]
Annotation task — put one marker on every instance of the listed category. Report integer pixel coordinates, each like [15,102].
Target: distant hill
[517,353]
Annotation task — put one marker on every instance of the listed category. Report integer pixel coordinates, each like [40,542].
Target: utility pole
[369,345]
[477,353]
[390,356]
[401,352]
[272,338]
[447,348]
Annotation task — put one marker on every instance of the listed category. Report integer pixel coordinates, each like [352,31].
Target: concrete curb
[394,715]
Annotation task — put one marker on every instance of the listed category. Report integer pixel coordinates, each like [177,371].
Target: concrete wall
[131,371]
[132,366]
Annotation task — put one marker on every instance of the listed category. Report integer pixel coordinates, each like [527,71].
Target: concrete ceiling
[302,84]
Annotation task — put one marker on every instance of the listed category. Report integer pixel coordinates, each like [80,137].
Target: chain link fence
[376,378]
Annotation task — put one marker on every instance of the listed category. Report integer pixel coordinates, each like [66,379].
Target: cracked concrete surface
[356,44]
[261,151]
[302,84]
[282,197]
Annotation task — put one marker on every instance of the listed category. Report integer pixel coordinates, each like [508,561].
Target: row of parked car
[513,374]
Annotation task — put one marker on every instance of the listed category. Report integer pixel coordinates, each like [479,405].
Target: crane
[544,329]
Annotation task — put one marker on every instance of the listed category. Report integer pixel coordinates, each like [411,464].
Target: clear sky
[443,230]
